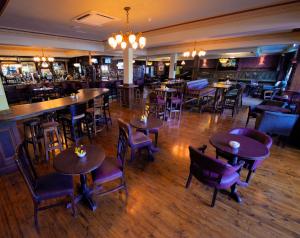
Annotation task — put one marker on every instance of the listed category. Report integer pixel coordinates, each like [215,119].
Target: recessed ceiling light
[149,19]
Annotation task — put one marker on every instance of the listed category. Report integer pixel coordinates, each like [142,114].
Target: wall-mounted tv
[107,60]
[228,63]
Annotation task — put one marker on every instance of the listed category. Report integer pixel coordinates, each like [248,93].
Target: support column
[3,99]
[128,87]
[172,67]
[128,66]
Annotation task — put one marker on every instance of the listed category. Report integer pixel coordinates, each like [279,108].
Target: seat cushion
[110,170]
[228,180]
[53,185]
[139,140]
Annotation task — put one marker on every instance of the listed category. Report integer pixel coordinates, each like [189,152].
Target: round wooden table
[271,108]
[67,162]
[250,149]
[151,123]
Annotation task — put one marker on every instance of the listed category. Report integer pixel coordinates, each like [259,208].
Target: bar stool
[72,123]
[49,129]
[137,95]
[97,115]
[33,135]
[106,111]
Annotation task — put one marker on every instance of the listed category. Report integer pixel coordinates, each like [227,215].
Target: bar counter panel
[24,111]
[9,134]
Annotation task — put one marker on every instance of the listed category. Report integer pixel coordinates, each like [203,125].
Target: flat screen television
[231,63]
[107,60]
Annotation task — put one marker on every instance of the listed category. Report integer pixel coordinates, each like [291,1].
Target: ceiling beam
[8,37]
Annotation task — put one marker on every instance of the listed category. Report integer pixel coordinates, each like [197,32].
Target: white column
[128,65]
[172,68]
[3,100]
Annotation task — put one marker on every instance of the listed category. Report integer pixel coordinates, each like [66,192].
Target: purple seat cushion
[228,180]
[53,185]
[139,139]
[175,100]
[110,170]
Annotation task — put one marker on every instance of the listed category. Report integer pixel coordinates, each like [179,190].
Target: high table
[127,91]
[9,134]
[250,149]
[220,90]
[67,162]
[165,91]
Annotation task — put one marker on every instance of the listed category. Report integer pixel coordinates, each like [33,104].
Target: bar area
[149,119]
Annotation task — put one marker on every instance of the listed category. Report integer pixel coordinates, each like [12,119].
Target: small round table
[250,149]
[271,108]
[151,123]
[68,163]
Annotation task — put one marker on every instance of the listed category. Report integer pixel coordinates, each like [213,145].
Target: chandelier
[44,60]
[128,38]
[194,52]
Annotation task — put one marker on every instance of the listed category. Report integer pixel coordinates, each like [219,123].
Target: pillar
[172,68]
[128,66]
[3,100]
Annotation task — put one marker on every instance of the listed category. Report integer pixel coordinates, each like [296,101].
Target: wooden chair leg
[249,176]
[35,207]
[73,205]
[132,153]
[214,198]
[189,180]
[156,139]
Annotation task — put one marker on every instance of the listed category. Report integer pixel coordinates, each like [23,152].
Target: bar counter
[9,133]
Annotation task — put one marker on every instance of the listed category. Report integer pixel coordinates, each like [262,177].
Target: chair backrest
[26,168]
[122,143]
[206,169]
[78,110]
[127,129]
[276,123]
[254,134]
[273,103]
[152,98]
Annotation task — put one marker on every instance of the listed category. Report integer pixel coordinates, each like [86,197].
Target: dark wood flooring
[158,203]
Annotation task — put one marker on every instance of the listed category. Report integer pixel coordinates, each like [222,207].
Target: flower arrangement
[80,151]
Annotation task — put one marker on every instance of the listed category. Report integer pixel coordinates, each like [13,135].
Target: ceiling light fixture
[193,53]
[43,58]
[127,39]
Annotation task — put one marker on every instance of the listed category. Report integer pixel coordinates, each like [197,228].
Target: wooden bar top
[24,111]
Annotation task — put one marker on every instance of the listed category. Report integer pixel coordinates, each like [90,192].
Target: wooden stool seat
[51,128]
[33,135]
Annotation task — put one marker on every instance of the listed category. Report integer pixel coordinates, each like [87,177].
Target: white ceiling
[55,16]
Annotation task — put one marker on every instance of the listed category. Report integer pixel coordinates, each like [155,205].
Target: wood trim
[225,15]
[3,4]
[155,29]
[46,34]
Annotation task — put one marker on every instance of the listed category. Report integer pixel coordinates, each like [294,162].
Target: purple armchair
[212,172]
[113,168]
[263,138]
[46,187]
[136,140]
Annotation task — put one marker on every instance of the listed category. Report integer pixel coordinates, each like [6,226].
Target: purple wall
[269,62]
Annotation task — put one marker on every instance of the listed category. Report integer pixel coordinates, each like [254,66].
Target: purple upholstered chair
[50,186]
[263,138]
[113,168]
[136,140]
[212,172]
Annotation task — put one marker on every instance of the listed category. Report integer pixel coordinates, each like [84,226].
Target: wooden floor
[158,203]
